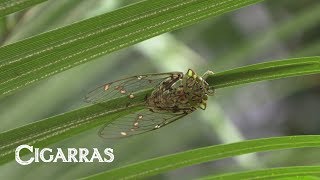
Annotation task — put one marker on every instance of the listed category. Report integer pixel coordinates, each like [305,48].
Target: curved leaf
[266,71]
[59,127]
[272,173]
[211,153]
[11,6]
[38,57]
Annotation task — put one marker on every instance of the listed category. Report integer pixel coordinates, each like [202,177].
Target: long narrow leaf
[57,128]
[38,57]
[266,71]
[211,153]
[271,173]
[11,6]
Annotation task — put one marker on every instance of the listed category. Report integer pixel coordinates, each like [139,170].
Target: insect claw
[207,74]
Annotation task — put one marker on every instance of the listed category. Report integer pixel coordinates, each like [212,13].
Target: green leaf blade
[65,122]
[266,71]
[166,163]
[57,128]
[11,6]
[297,172]
[38,57]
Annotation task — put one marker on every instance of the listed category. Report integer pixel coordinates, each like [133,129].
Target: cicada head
[197,89]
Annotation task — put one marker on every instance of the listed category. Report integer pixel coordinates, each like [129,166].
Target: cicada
[174,96]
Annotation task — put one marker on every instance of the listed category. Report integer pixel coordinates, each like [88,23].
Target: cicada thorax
[183,94]
[170,97]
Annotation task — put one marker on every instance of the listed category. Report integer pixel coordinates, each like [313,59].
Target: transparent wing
[137,123]
[128,86]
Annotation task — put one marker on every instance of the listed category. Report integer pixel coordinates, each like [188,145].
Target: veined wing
[128,86]
[137,123]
